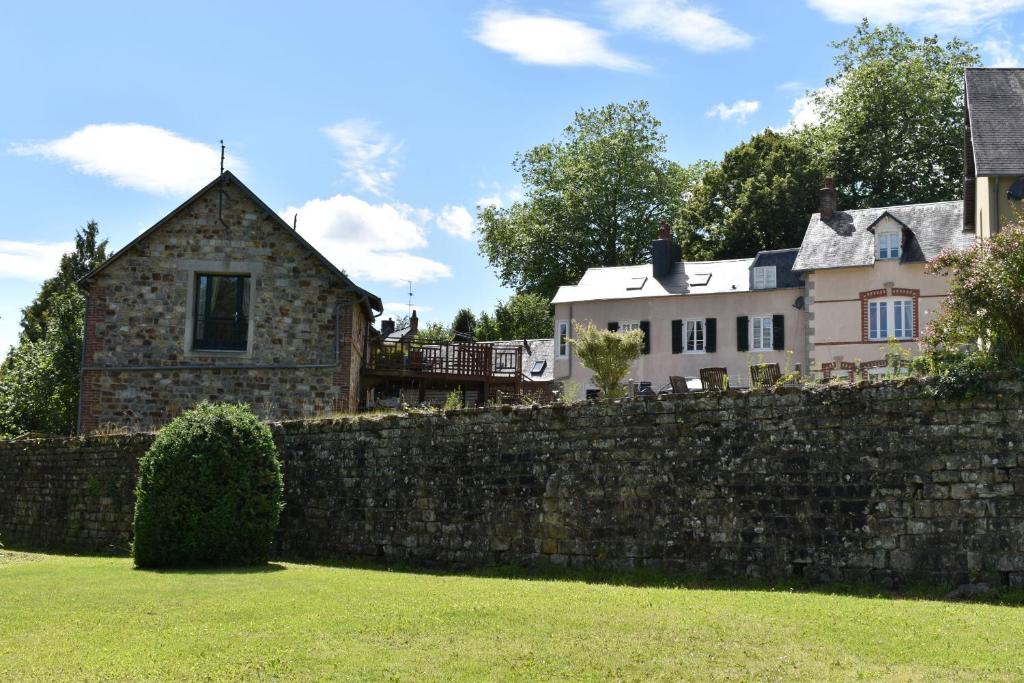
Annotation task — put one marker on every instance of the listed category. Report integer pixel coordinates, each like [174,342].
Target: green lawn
[98,619]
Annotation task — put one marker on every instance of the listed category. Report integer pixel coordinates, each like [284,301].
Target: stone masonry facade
[889,483]
[307,334]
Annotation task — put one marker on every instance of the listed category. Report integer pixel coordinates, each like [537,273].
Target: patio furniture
[679,385]
[765,375]
[714,379]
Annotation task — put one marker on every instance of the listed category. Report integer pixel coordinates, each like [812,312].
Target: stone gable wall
[140,370]
[885,483]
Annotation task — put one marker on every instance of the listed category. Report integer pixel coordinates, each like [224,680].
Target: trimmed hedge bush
[210,491]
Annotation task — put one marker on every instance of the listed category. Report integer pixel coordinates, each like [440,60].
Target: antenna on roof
[222,157]
[410,297]
[295,222]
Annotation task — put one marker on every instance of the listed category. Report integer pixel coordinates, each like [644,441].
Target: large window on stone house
[221,313]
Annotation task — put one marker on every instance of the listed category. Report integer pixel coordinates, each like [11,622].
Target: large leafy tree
[593,197]
[758,197]
[523,316]
[39,379]
[892,117]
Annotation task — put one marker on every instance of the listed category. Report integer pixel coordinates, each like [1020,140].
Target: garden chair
[678,384]
[714,379]
[765,375]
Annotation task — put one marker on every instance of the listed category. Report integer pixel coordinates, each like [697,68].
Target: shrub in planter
[210,491]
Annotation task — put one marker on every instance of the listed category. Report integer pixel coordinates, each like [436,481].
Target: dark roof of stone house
[538,355]
[995,117]
[371,302]
[783,260]
[848,239]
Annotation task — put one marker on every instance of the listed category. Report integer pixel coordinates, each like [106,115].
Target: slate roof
[845,240]
[995,111]
[783,260]
[533,350]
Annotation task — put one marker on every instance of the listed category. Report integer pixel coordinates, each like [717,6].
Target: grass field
[74,618]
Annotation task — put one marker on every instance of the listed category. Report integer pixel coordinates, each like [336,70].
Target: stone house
[220,300]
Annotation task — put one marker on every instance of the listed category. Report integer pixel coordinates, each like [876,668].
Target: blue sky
[384,125]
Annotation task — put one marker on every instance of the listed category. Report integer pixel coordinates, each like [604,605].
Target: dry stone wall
[886,483]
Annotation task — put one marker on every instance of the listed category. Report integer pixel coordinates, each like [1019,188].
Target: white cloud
[457,221]
[542,39]
[935,13]
[678,22]
[790,86]
[369,241]
[31,260]
[368,155]
[1001,53]
[498,196]
[397,309]
[134,155]
[738,110]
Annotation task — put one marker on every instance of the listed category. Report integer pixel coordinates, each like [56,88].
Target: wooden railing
[481,361]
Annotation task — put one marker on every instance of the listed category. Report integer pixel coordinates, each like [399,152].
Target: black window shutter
[742,333]
[613,327]
[677,336]
[711,335]
[779,332]
[645,327]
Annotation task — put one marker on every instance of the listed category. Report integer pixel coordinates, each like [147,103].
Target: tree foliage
[608,355]
[893,117]
[210,491]
[464,325]
[434,333]
[39,378]
[759,197]
[593,197]
[522,316]
[985,306]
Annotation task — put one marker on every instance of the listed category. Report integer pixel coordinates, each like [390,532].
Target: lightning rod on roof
[295,222]
[222,157]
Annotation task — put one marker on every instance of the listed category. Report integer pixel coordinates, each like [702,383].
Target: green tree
[608,354]
[434,333]
[759,197]
[893,117]
[593,197]
[985,306]
[464,326]
[522,316]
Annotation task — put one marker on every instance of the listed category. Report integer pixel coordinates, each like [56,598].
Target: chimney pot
[827,200]
[387,326]
[414,323]
[664,233]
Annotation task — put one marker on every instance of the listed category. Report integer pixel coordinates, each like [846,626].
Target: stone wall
[306,337]
[886,483]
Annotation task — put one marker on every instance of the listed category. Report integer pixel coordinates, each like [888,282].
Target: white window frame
[703,328]
[629,326]
[888,245]
[882,321]
[757,336]
[562,338]
[764,277]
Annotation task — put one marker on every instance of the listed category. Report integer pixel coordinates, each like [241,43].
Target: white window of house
[629,325]
[764,277]
[695,336]
[890,318]
[888,244]
[761,333]
[563,338]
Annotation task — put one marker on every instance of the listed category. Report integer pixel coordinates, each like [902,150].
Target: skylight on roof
[636,283]
[538,367]
[699,279]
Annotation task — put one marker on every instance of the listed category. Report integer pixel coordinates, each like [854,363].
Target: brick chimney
[414,324]
[827,200]
[664,252]
[387,326]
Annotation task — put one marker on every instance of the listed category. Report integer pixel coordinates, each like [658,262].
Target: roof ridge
[895,206]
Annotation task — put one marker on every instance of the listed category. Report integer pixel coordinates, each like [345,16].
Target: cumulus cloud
[134,155]
[457,221]
[369,241]
[368,155]
[548,40]
[498,196]
[936,13]
[738,110]
[1001,53]
[679,22]
[31,260]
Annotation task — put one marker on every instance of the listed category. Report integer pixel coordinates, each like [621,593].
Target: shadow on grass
[201,569]
[649,578]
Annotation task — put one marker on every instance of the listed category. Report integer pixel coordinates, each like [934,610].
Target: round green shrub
[210,491]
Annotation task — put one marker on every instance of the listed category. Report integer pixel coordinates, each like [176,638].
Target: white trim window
[761,333]
[562,336]
[695,336]
[888,244]
[629,326]
[890,318]
[764,277]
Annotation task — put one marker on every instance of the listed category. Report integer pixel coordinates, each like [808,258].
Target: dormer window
[764,277]
[888,244]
